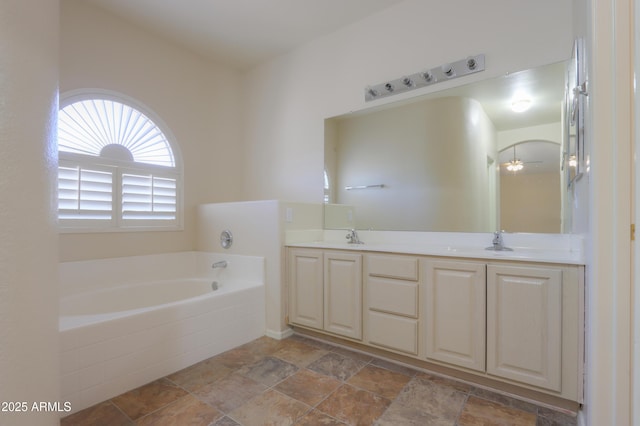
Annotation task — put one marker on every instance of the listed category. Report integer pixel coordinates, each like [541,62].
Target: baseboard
[279,335]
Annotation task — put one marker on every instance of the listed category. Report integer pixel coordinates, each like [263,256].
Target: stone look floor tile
[379,381]
[441,401]
[226,421]
[239,357]
[313,342]
[365,358]
[482,412]
[103,414]
[455,384]
[148,398]
[318,418]
[269,371]
[299,353]
[264,345]
[407,371]
[201,374]
[354,406]
[270,408]
[548,417]
[185,411]
[230,392]
[276,382]
[399,415]
[308,386]
[504,400]
[336,365]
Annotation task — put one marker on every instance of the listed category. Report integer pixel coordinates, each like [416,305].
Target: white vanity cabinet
[503,322]
[455,312]
[527,310]
[391,299]
[343,294]
[306,288]
[325,291]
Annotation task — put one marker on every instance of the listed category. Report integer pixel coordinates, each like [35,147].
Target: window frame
[119,167]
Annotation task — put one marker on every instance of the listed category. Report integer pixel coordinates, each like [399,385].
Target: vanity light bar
[470,65]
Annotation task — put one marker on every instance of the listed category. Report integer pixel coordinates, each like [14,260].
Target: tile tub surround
[105,355]
[302,381]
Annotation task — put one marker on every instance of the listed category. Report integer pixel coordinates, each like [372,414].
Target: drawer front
[400,267]
[393,296]
[393,332]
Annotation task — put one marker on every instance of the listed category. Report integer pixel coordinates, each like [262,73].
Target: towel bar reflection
[349,188]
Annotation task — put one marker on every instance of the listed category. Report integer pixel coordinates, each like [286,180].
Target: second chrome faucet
[353,238]
[497,244]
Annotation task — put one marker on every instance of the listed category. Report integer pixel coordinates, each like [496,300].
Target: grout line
[119,409]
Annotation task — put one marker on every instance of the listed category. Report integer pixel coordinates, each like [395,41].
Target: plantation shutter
[148,197]
[85,193]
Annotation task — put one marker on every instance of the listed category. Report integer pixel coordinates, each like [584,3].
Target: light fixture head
[373,93]
[447,69]
[428,77]
[520,104]
[573,162]
[515,165]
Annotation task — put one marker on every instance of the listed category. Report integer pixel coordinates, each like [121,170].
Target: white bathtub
[127,321]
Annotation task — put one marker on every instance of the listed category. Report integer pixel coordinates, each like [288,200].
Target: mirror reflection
[441,162]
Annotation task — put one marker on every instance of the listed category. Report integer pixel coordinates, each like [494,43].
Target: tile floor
[300,381]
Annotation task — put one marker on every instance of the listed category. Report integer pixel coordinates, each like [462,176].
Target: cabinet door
[524,324]
[343,294]
[455,313]
[306,287]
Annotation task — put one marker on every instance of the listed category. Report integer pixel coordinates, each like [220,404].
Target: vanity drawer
[393,296]
[400,267]
[393,332]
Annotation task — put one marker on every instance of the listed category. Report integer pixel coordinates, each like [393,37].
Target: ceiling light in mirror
[520,104]
[515,166]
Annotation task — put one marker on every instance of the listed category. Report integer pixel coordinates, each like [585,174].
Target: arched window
[117,166]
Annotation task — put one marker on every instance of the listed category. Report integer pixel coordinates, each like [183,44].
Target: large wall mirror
[474,158]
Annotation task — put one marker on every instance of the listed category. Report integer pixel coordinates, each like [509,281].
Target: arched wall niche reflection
[530,188]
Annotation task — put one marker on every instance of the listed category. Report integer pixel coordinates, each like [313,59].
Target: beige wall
[288,98]
[530,202]
[197,99]
[29,364]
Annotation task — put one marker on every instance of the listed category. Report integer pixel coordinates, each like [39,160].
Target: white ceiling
[243,33]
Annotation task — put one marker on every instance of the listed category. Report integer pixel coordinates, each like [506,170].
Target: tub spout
[220,264]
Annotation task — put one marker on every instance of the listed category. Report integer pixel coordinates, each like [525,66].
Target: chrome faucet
[497,243]
[220,264]
[353,238]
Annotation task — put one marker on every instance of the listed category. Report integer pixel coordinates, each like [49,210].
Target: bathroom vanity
[510,320]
